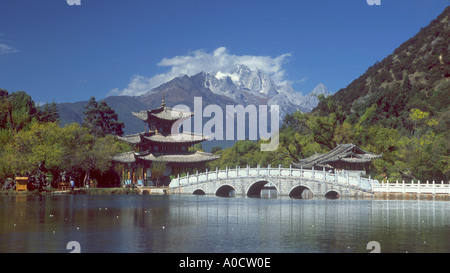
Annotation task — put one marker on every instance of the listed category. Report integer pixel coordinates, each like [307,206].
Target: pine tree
[101,120]
[49,113]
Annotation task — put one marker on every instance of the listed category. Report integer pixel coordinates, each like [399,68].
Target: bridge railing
[345,177]
[418,187]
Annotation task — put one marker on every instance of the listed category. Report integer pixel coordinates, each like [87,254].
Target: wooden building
[347,157]
[158,144]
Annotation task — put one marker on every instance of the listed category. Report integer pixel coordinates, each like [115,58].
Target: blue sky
[64,53]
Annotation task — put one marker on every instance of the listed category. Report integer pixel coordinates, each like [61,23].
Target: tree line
[32,142]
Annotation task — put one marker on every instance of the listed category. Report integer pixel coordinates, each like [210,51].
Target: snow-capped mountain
[252,86]
[241,85]
[242,78]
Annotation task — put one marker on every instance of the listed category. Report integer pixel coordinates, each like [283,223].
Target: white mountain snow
[252,86]
[247,86]
[320,89]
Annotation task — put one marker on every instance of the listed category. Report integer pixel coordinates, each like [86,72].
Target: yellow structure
[63,186]
[21,183]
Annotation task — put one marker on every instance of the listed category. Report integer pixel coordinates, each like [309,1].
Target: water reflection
[184,223]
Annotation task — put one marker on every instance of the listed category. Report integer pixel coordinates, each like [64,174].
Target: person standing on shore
[72,184]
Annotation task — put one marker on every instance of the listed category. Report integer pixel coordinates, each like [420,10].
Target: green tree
[422,122]
[41,144]
[344,133]
[37,151]
[323,126]
[295,134]
[85,153]
[49,113]
[323,129]
[18,110]
[101,120]
[4,108]
[158,169]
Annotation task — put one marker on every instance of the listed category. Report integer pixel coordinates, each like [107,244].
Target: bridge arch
[301,192]
[226,191]
[199,192]
[332,194]
[255,189]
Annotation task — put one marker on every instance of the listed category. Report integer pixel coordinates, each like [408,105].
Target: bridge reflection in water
[207,224]
[318,225]
[273,182]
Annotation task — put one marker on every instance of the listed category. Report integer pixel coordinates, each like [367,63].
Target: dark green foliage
[17,110]
[33,143]
[101,120]
[49,113]
[215,149]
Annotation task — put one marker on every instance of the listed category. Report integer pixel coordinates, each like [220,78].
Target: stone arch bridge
[298,183]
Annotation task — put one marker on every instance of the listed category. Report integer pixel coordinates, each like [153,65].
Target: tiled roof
[133,139]
[349,153]
[187,157]
[152,137]
[163,112]
[176,138]
[128,157]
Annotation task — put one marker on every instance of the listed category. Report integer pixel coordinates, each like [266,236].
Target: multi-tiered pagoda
[158,144]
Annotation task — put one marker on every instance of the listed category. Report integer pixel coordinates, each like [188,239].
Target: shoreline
[93,191]
[165,191]
[411,196]
[77,191]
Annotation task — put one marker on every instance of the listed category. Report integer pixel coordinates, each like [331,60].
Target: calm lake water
[184,223]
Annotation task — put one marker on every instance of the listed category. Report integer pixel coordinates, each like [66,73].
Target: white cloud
[302,80]
[200,60]
[6,49]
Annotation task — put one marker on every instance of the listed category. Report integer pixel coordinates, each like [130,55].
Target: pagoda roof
[153,137]
[162,113]
[348,153]
[187,157]
[176,138]
[128,157]
[132,139]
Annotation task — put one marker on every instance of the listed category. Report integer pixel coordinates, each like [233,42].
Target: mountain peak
[320,89]
[243,78]
[239,85]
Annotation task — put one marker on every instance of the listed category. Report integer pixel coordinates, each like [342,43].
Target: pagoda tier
[185,158]
[153,138]
[162,119]
[163,113]
[152,145]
